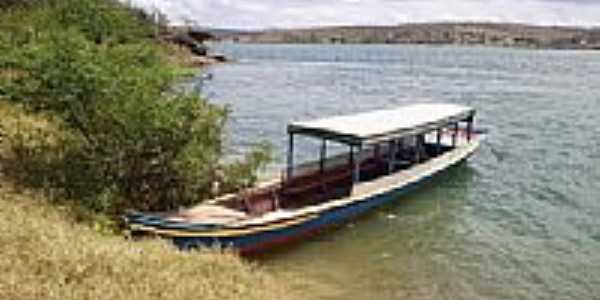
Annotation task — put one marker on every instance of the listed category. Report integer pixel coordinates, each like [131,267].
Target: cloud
[307,13]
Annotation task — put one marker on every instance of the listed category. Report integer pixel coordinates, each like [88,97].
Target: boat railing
[311,181]
[332,181]
[316,179]
[314,166]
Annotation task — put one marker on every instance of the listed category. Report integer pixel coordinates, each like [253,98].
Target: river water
[520,220]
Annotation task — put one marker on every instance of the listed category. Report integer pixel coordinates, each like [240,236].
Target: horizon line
[325,26]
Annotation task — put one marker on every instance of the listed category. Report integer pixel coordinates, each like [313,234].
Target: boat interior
[333,178]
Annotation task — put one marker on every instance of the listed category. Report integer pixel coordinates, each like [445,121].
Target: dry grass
[177,55]
[16,121]
[46,256]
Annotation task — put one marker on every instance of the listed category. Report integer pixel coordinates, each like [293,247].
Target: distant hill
[486,34]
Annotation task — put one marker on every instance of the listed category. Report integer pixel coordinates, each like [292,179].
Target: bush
[124,137]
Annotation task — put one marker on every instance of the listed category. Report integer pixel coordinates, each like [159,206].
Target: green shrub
[124,137]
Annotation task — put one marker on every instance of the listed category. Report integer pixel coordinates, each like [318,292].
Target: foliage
[122,137]
[242,173]
[101,21]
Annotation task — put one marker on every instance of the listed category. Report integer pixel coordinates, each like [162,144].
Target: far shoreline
[448,46]
[497,35]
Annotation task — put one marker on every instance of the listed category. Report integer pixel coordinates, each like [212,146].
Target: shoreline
[202,61]
[476,46]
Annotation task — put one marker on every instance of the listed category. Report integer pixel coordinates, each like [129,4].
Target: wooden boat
[390,152]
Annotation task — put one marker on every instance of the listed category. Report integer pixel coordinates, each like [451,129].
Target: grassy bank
[47,256]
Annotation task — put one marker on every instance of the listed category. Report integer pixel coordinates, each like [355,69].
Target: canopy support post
[419,148]
[392,152]
[357,165]
[323,155]
[470,128]
[351,157]
[455,135]
[290,156]
[439,141]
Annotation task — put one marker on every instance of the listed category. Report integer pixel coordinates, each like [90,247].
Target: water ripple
[519,221]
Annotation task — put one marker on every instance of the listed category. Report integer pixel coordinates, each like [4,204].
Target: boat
[389,152]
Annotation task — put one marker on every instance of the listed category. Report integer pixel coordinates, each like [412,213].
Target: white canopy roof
[381,124]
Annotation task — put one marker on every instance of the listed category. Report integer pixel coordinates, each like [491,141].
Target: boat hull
[262,241]
[261,235]
[257,238]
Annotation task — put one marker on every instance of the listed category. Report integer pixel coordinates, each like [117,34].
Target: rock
[200,61]
[219,57]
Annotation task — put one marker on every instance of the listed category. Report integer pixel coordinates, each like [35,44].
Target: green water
[519,220]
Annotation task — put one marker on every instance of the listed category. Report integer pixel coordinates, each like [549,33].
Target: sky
[261,14]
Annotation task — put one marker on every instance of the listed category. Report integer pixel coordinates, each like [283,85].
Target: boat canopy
[376,126]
